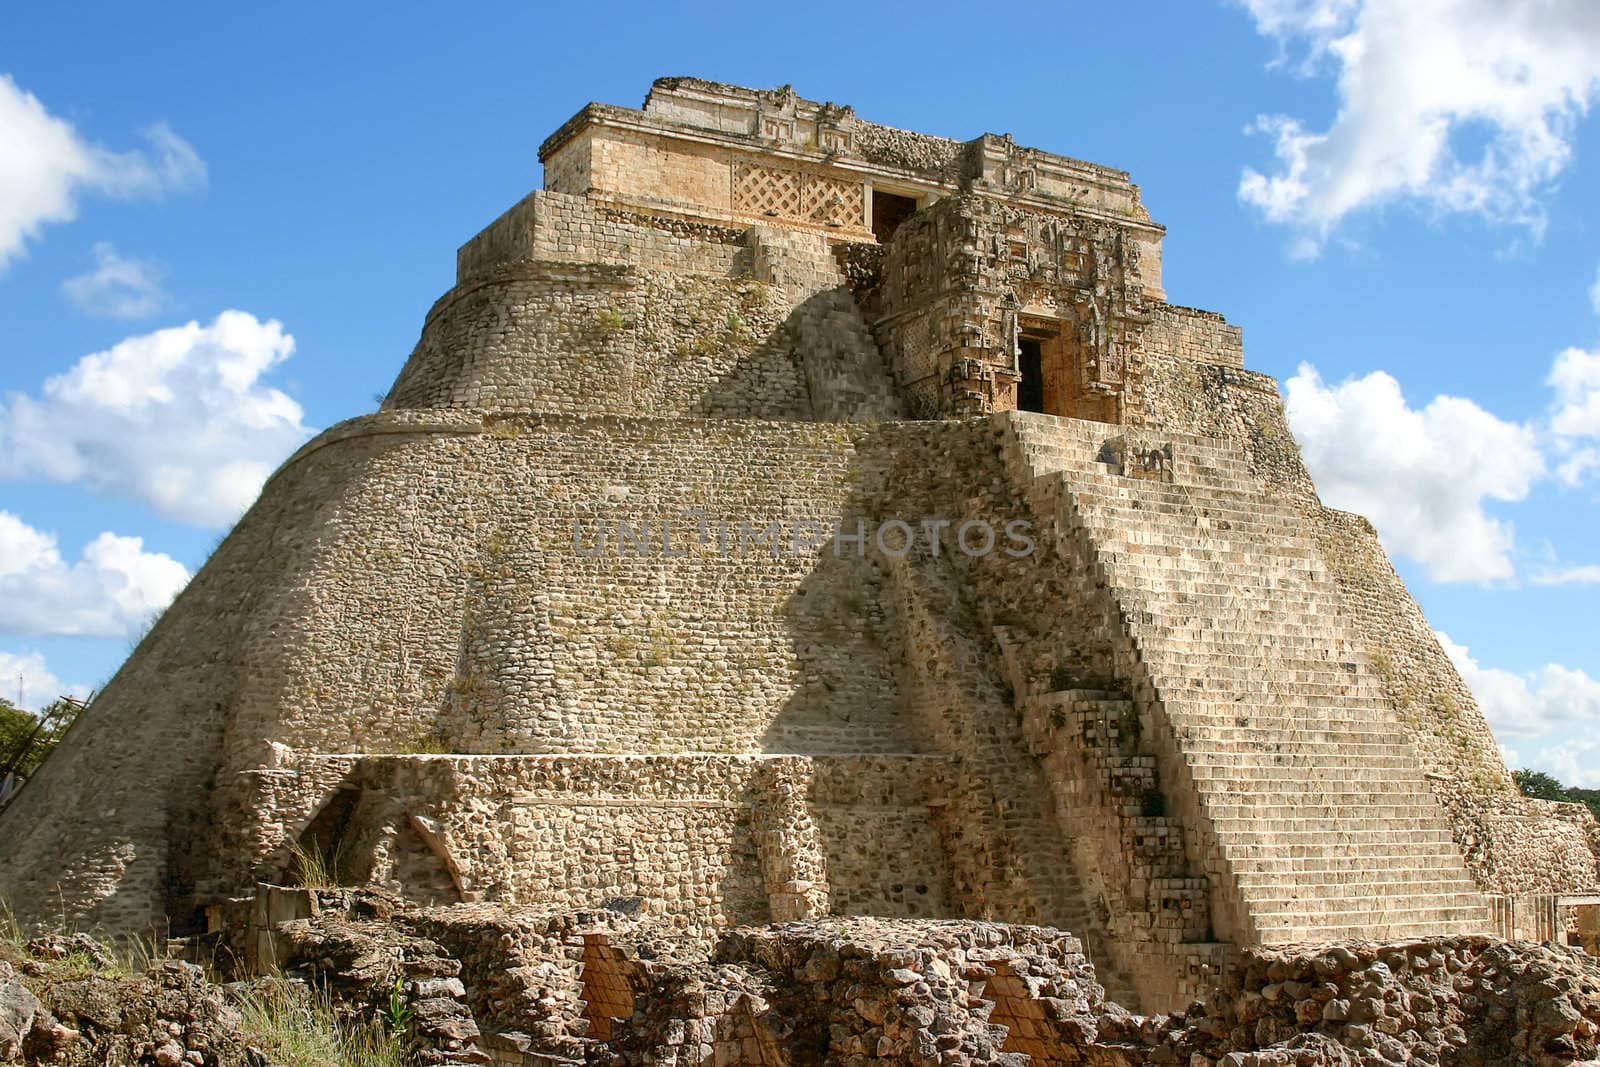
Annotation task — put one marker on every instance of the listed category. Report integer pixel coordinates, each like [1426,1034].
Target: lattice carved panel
[831,200]
[797,196]
[761,190]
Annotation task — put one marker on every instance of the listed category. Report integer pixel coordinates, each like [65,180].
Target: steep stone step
[1303,774]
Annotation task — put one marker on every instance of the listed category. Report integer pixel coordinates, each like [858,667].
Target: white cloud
[1575,414]
[1464,106]
[1576,467]
[46,166]
[119,287]
[179,418]
[1531,706]
[1575,377]
[1422,476]
[112,590]
[1588,574]
[38,685]
[1575,762]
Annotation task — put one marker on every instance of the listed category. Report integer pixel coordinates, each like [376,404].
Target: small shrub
[426,743]
[610,320]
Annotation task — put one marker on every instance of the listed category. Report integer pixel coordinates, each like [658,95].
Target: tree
[21,739]
[1542,786]
[15,726]
[1590,797]
[1539,785]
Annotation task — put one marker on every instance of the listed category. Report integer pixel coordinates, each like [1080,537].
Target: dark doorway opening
[1030,390]
[888,212]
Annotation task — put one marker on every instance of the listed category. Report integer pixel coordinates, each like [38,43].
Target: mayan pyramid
[786,515]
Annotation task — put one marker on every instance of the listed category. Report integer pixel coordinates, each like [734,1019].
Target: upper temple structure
[788,516]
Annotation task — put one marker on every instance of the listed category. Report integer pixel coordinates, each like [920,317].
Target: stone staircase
[1162,931]
[1312,810]
[843,367]
[1012,859]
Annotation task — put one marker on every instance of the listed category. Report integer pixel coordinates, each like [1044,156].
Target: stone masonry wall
[1194,336]
[603,339]
[688,839]
[409,570]
[563,228]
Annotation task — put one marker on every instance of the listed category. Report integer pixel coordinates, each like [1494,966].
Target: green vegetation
[315,869]
[1542,786]
[610,320]
[21,747]
[301,1031]
[295,1028]
[426,743]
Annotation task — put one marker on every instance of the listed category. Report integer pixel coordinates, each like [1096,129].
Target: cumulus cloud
[180,419]
[1575,414]
[1553,712]
[111,590]
[1528,705]
[1575,762]
[119,287]
[26,675]
[1423,476]
[1454,106]
[47,166]
[1575,378]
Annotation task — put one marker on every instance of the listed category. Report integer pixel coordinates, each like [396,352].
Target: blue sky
[219,233]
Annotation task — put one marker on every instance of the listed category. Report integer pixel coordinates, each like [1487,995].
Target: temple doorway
[889,210]
[1030,387]
[1055,376]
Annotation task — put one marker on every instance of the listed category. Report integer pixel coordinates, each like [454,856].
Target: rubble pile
[477,983]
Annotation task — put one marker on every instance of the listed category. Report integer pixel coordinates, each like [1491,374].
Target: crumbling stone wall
[699,841]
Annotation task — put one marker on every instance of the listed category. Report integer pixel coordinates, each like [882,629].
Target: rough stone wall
[1194,336]
[602,339]
[562,228]
[563,305]
[698,841]
[600,988]
[88,841]
[389,575]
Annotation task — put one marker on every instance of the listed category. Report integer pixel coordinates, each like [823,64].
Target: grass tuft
[303,1030]
[315,869]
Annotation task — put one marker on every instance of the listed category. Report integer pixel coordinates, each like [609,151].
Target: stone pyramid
[784,516]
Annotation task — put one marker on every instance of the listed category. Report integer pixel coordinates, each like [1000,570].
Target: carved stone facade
[599,608]
[985,306]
